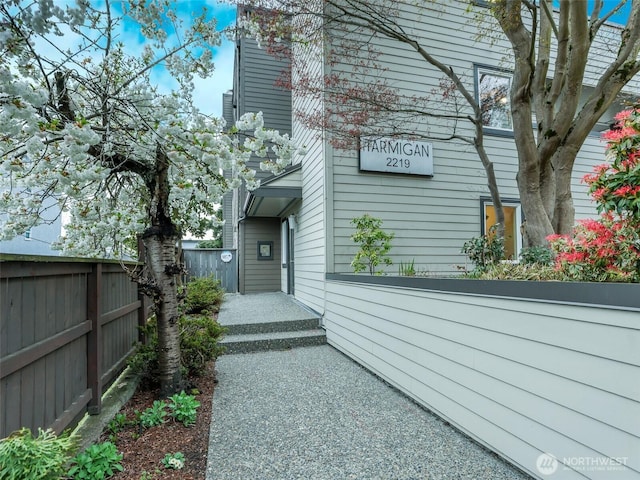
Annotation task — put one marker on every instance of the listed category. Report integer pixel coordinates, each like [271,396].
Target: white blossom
[96,163]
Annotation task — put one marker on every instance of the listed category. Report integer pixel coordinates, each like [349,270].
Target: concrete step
[260,342]
[270,327]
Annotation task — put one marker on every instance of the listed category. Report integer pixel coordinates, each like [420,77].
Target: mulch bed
[144,449]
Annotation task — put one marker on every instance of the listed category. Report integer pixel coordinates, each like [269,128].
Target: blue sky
[620,17]
[208,92]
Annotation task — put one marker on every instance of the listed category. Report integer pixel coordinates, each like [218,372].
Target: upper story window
[484,3]
[493,87]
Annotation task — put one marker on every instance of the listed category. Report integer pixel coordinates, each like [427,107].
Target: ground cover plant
[168,438]
[171,450]
[98,461]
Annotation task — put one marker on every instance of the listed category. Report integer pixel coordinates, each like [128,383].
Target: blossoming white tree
[86,126]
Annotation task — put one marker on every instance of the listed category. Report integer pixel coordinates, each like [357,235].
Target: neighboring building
[253,221]
[37,240]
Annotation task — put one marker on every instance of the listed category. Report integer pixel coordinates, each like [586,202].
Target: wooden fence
[217,262]
[67,327]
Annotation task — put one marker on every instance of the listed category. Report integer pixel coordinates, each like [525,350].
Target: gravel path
[312,413]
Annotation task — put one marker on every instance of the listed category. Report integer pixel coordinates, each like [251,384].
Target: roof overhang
[276,195]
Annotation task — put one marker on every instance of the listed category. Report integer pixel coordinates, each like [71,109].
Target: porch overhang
[276,195]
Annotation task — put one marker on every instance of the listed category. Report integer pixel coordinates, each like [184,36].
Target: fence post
[94,340]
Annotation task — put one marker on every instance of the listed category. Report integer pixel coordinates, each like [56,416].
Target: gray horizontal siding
[259,74]
[522,377]
[310,234]
[260,275]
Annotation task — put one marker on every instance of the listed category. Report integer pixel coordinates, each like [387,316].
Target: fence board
[205,262]
[47,338]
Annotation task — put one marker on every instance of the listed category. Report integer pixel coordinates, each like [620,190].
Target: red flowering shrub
[608,249]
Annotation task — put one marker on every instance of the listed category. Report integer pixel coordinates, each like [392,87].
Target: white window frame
[484,202]
[480,73]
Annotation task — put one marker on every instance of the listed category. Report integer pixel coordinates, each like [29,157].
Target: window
[265,250]
[512,225]
[484,3]
[27,235]
[493,87]
[284,242]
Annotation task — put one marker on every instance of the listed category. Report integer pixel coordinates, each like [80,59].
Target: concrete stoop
[284,335]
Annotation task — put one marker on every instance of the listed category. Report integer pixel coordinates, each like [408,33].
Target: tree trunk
[162,269]
[564,212]
[492,182]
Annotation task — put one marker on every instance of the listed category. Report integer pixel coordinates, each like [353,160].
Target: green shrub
[118,423]
[374,244]
[184,408]
[537,254]
[199,337]
[99,461]
[485,250]
[43,457]
[217,243]
[203,295]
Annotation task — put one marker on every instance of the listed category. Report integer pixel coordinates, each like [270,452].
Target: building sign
[226,256]
[394,155]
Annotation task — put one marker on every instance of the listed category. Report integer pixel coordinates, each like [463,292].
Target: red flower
[618,134]
[599,193]
[626,191]
[556,236]
[623,115]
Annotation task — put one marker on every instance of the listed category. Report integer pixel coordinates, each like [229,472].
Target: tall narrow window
[512,224]
[494,87]
[284,242]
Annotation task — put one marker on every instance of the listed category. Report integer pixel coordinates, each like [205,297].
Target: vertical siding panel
[13,405]
[14,317]
[5,309]
[311,235]
[39,394]
[50,389]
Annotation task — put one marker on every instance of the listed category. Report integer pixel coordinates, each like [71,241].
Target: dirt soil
[144,449]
